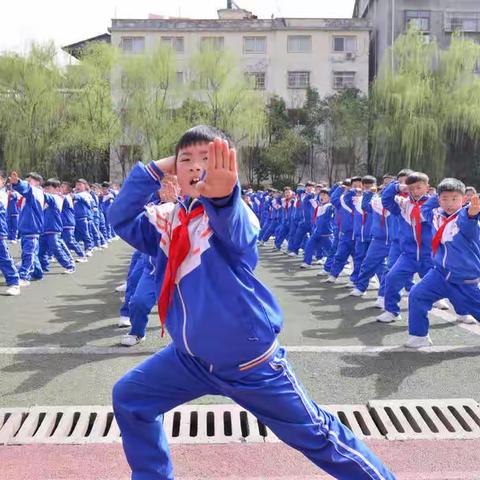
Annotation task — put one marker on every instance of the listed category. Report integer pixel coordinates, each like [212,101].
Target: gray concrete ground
[54,340]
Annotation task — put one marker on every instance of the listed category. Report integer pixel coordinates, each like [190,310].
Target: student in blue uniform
[456,259]
[106,199]
[30,224]
[283,229]
[13,213]
[83,205]
[415,239]
[223,328]
[7,265]
[94,222]
[304,227]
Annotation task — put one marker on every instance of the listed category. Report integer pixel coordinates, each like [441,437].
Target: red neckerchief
[415,215]
[178,250]
[20,202]
[438,236]
[384,211]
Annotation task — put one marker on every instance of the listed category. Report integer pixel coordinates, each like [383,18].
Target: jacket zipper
[184,327]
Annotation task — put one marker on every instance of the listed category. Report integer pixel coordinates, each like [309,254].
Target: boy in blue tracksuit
[415,238]
[106,199]
[30,224]
[321,240]
[283,229]
[53,228]
[224,330]
[296,215]
[305,222]
[275,218]
[7,265]
[83,206]
[13,213]
[341,199]
[456,258]
[94,223]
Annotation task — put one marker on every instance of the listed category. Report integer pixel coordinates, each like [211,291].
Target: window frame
[290,37]
[290,86]
[255,37]
[419,15]
[344,73]
[344,37]
[172,40]
[215,42]
[132,39]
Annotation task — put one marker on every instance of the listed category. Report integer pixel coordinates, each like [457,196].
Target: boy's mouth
[194,181]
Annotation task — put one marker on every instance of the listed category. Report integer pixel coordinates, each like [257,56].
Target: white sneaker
[13,242]
[69,271]
[13,290]
[380,303]
[388,317]
[81,260]
[373,284]
[322,273]
[23,283]
[418,342]
[292,254]
[320,262]
[88,253]
[300,250]
[124,322]
[305,265]
[468,319]
[356,293]
[404,293]
[331,279]
[131,340]
[350,284]
[441,304]
[104,246]
[122,287]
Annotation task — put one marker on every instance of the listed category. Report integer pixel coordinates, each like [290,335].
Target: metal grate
[390,420]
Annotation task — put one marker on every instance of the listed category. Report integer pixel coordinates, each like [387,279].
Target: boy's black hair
[3,175]
[310,184]
[355,179]
[287,188]
[388,175]
[105,184]
[52,182]
[347,182]
[321,185]
[405,172]
[470,189]
[200,134]
[417,177]
[68,185]
[369,180]
[300,185]
[325,190]
[36,176]
[451,185]
[82,180]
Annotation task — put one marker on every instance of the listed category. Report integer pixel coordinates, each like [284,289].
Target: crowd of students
[51,220]
[391,231]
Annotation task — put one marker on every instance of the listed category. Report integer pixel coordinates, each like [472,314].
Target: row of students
[53,221]
[391,232]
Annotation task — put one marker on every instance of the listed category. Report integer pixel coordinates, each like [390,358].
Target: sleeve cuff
[154,171]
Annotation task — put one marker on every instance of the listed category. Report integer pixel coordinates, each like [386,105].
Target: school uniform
[30,227]
[305,225]
[105,202]
[94,222]
[321,240]
[7,265]
[286,218]
[276,216]
[295,220]
[13,213]
[224,335]
[415,240]
[68,223]
[456,267]
[82,206]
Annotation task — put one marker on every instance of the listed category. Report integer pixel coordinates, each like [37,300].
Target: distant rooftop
[76,49]
[251,24]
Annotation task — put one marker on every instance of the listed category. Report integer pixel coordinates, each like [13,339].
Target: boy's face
[104,191]
[357,184]
[49,189]
[288,193]
[2,182]
[191,165]
[324,197]
[309,189]
[80,187]
[317,190]
[451,202]
[368,187]
[387,180]
[33,182]
[418,189]
[469,195]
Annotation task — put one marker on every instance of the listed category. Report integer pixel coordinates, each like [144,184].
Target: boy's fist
[167,165]
[221,174]
[14,179]
[474,208]
[402,188]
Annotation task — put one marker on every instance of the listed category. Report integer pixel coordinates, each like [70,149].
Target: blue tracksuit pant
[392,258]
[374,263]
[134,273]
[12,224]
[141,303]
[82,233]
[50,244]
[281,234]
[330,258]
[465,298]
[270,230]
[30,267]
[359,254]
[321,245]
[301,233]
[97,237]
[346,247]
[265,227]
[404,269]
[69,238]
[270,391]
[7,265]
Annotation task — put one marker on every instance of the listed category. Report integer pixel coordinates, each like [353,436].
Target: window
[254,44]
[175,42]
[299,44]
[213,43]
[133,44]
[179,78]
[345,44]
[465,22]
[298,79]
[419,18]
[343,80]
[257,79]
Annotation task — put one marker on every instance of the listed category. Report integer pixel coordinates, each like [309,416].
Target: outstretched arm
[388,198]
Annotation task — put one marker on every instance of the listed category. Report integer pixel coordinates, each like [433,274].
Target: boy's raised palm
[474,208]
[221,174]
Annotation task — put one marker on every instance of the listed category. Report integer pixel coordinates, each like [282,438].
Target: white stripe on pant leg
[316,420]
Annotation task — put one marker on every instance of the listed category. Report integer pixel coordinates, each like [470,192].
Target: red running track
[409,460]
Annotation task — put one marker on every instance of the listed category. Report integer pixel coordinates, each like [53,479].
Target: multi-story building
[435,18]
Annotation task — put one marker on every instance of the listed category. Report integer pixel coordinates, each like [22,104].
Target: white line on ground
[367,349]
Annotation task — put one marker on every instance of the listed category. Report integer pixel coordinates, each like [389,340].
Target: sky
[67,21]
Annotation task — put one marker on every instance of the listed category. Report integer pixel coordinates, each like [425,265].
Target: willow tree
[428,101]
[32,108]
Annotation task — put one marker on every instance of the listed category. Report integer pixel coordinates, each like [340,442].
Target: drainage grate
[391,420]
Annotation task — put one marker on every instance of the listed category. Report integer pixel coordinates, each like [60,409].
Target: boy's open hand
[474,208]
[167,165]
[170,189]
[14,178]
[221,174]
